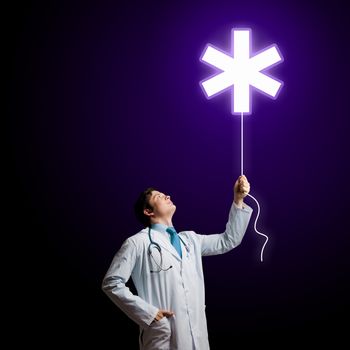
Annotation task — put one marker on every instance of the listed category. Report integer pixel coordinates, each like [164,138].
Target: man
[166,269]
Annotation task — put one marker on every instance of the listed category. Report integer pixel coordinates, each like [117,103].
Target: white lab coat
[179,289]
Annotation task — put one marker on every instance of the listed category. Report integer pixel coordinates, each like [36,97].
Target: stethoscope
[155,245]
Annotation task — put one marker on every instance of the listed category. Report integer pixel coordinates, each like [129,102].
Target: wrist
[238,202]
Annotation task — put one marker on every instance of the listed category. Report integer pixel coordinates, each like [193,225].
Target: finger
[245,184]
[168,313]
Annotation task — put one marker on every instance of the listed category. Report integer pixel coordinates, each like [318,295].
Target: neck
[164,221]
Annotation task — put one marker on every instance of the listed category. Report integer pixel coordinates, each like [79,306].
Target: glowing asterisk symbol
[241,71]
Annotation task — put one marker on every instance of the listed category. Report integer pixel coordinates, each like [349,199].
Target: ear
[148,212]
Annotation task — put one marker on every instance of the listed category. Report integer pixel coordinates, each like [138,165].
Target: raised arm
[236,226]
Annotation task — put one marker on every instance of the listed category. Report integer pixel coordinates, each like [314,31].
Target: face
[162,205]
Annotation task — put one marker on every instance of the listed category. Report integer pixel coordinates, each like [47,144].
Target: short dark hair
[141,204]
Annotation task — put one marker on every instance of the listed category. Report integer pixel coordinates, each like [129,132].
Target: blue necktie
[174,239]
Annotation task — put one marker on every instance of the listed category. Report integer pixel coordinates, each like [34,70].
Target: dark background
[103,100]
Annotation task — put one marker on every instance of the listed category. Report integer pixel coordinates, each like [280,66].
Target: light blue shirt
[161,228]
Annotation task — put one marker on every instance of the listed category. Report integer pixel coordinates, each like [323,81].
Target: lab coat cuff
[245,208]
[153,316]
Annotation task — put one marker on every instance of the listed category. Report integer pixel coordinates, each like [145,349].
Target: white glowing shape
[241,71]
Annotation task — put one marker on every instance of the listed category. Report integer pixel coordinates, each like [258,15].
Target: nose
[167,197]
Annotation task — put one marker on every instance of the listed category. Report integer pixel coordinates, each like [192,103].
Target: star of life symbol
[240,71]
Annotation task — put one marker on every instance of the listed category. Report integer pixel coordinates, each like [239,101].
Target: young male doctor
[166,268]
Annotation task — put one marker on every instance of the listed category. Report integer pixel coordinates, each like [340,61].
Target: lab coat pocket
[157,335]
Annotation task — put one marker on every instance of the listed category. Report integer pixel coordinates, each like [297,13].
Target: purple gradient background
[104,100]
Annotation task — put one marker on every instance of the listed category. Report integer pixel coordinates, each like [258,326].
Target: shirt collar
[160,227]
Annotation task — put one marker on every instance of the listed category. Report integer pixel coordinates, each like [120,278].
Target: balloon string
[257,216]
